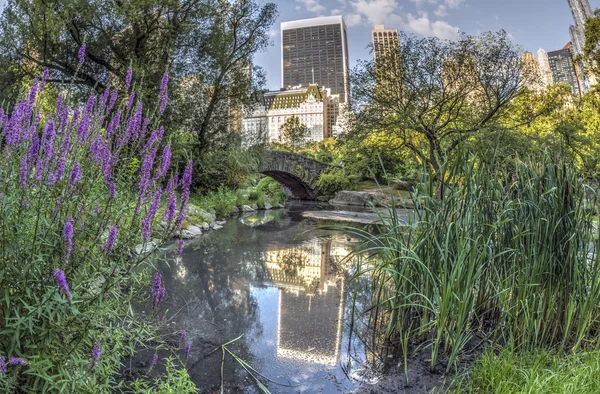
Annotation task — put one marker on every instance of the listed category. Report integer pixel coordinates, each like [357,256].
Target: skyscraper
[315,51]
[531,73]
[581,10]
[563,68]
[545,68]
[384,40]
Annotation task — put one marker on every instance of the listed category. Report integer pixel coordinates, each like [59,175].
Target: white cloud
[422,25]
[273,33]
[376,11]
[453,3]
[353,20]
[441,11]
[311,6]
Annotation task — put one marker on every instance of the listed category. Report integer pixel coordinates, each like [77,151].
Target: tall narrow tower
[581,11]
[316,50]
[545,68]
[384,41]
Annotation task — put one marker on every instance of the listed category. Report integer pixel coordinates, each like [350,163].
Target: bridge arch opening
[299,188]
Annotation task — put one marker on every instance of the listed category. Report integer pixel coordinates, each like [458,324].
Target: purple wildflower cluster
[164,95]
[110,240]
[81,53]
[180,244]
[70,152]
[188,348]
[61,282]
[17,361]
[154,360]
[158,290]
[11,361]
[96,350]
[68,237]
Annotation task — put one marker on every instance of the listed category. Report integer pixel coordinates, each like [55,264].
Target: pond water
[278,282]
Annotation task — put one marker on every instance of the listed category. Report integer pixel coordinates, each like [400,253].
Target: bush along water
[506,257]
[80,188]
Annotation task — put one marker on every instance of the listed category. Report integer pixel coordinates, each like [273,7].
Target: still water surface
[276,279]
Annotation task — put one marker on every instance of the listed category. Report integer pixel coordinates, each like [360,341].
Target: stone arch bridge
[300,174]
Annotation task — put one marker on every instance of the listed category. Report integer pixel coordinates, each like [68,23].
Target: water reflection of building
[311,298]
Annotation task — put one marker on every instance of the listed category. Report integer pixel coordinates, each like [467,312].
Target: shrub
[70,218]
[334,180]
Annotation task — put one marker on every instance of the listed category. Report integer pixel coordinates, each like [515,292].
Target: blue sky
[533,24]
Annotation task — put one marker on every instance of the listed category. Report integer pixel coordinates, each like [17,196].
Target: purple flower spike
[110,241]
[128,78]
[33,93]
[81,54]
[96,353]
[75,175]
[188,348]
[164,82]
[17,361]
[154,360]
[130,101]
[113,99]
[158,290]
[180,244]
[169,214]
[45,76]
[68,237]
[186,182]
[147,221]
[165,162]
[163,102]
[2,365]
[183,335]
[61,282]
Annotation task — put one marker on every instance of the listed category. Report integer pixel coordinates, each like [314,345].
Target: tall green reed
[506,253]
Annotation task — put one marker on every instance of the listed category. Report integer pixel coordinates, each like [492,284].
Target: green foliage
[433,94]
[504,244]
[175,381]
[272,190]
[540,372]
[53,328]
[293,133]
[230,169]
[334,180]
[222,202]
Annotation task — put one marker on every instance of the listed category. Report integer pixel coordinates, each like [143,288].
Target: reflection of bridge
[311,301]
[300,174]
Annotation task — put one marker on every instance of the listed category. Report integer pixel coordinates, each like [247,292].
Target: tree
[147,35]
[221,78]
[206,45]
[293,133]
[434,94]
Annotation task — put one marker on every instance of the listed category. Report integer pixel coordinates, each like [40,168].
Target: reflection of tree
[290,261]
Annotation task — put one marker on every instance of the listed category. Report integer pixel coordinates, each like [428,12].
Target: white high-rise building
[542,58]
[263,123]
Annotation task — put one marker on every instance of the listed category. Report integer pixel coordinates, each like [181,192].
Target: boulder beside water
[361,199]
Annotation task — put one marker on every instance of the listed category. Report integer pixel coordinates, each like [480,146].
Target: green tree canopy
[434,94]
[293,133]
